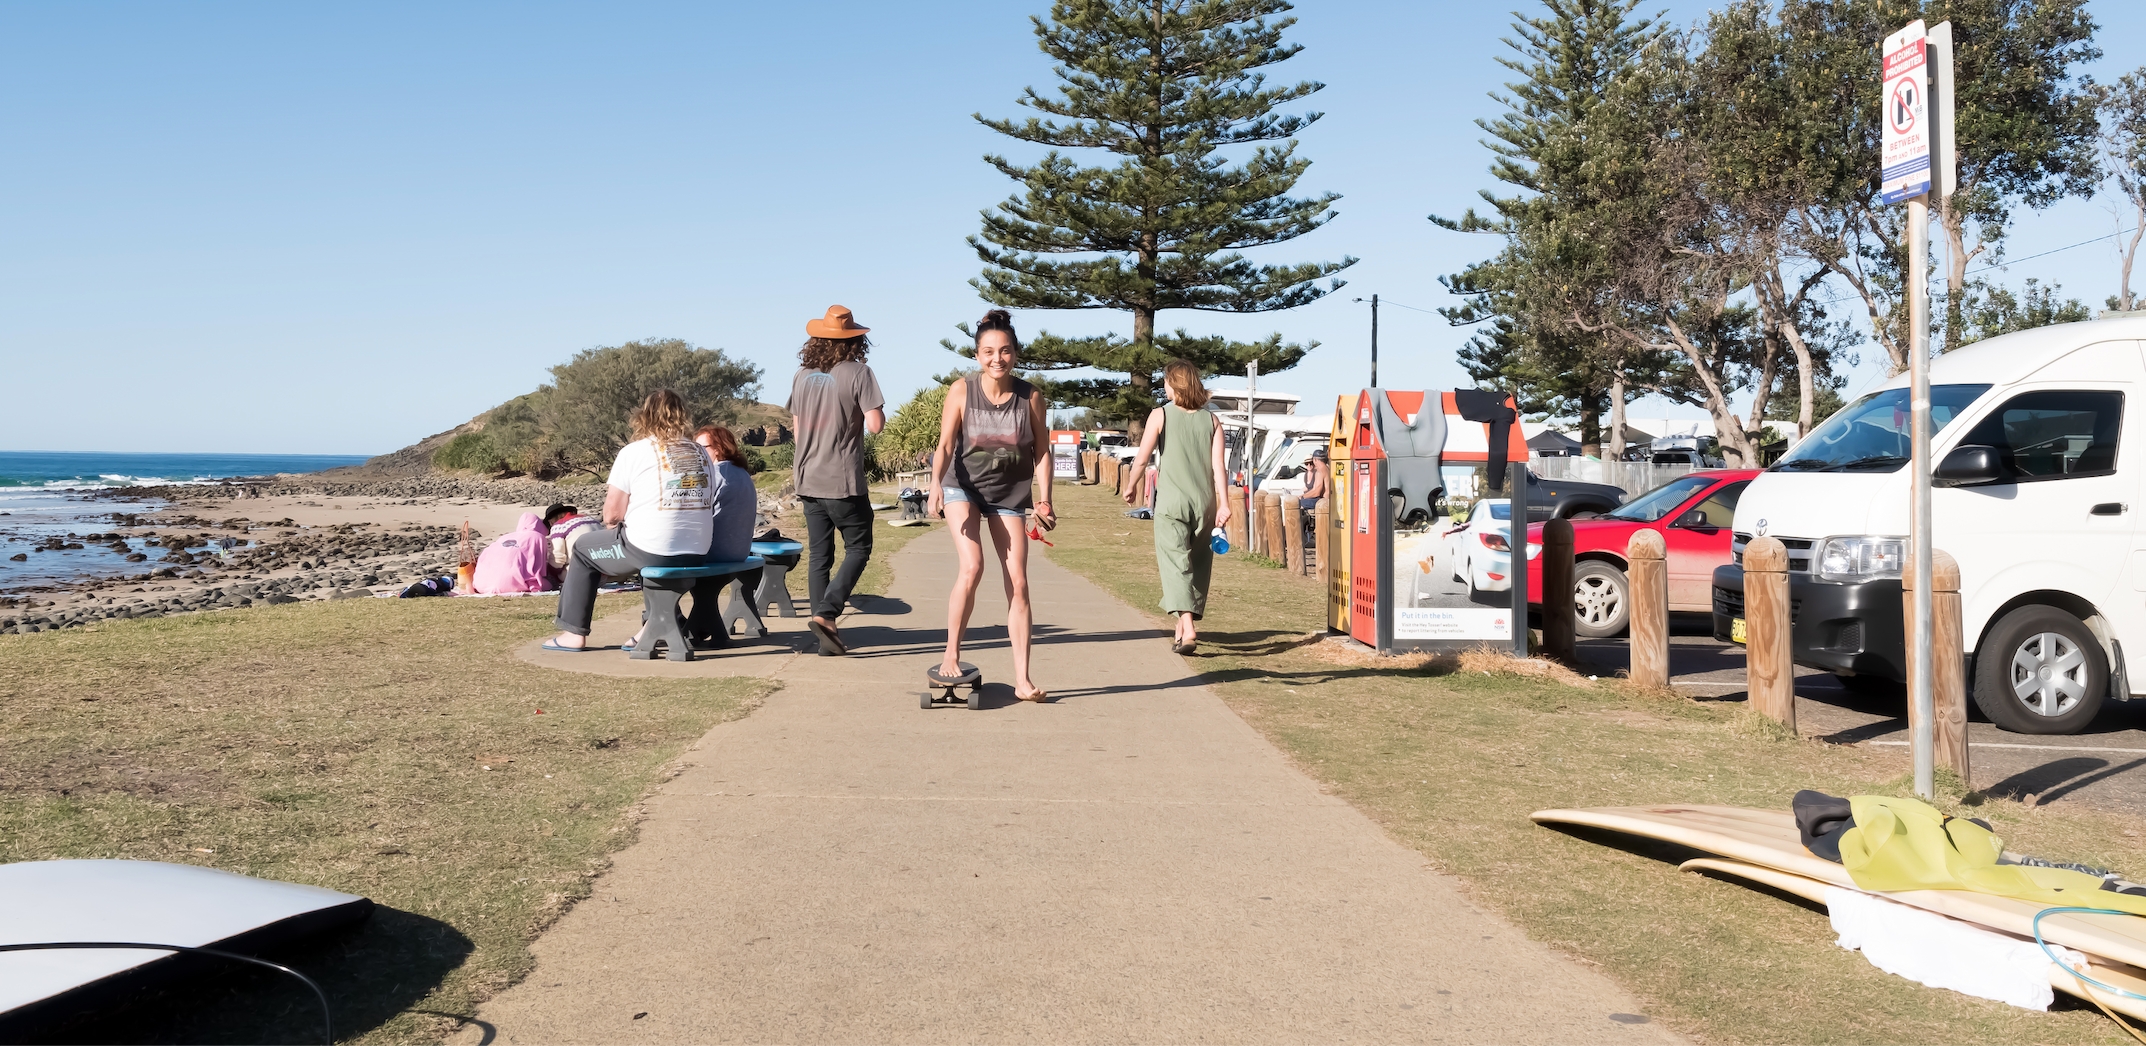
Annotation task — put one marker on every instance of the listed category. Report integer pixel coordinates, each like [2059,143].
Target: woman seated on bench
[658,512]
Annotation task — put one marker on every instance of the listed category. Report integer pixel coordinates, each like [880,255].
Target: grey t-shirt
[830,407]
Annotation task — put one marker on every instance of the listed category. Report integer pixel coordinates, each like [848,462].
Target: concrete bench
[743,611]
[661,588]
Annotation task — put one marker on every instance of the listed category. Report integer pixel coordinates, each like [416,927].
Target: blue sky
[302,228]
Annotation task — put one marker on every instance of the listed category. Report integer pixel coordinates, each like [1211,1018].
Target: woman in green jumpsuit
[1191,496]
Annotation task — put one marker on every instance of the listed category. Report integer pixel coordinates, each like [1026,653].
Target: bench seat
[661,588]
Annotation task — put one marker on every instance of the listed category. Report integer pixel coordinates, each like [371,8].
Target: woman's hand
[1222,515]
[1132,490]
[1046,518]
[933,505]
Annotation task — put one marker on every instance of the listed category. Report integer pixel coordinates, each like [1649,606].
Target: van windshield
[1872,434]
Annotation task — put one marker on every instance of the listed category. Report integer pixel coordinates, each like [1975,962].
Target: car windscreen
[1662,500]
[1872,434]
[1502,511]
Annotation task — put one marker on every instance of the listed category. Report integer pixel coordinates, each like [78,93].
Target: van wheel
[1601,599]
[2041,671]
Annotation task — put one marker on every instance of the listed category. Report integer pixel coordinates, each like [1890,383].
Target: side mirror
[1695,520]
[1973,465]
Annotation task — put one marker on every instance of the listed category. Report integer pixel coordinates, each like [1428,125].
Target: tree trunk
[1590,427]
[1139,377]
[2131,253]
[1956,259]
[1616,405]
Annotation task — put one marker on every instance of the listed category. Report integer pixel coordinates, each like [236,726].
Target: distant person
[993,463]
[1315,491]
[1191,496]
[737,506]
[659,511]
[834,401]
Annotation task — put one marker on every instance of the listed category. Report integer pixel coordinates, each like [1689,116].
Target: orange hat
[837,325]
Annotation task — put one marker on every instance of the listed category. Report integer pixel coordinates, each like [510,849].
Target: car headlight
[1861,557]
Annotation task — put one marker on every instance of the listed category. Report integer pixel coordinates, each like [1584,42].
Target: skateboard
[943,688]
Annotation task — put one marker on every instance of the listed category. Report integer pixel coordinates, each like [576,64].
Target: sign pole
[1919,397]
[1251,406]
[1910,158]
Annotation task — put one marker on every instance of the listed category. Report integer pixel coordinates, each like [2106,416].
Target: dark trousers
[599,554]
[824,516]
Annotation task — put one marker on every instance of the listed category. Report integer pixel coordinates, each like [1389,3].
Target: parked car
[1692,513]
[2035,502]
[1569,499]
[1478,547]
[1114,444]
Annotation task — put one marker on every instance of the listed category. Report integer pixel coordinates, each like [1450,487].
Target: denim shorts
[950,495]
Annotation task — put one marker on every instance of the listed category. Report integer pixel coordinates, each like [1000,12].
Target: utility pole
[1374,299]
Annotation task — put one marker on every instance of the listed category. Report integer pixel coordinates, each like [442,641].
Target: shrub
[472,451]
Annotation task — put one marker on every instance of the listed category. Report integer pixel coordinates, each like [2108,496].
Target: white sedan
[1479,549]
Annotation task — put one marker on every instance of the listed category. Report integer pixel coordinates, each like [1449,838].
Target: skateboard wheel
[976,699]
[924,700]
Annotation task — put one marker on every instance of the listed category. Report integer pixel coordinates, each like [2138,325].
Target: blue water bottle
[1218,542]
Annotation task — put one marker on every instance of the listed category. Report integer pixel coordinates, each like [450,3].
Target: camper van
[2037,495]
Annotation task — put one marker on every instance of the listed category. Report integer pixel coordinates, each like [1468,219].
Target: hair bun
[998,320]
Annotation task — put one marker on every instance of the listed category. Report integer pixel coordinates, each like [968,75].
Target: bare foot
[949,669]
[1030,692]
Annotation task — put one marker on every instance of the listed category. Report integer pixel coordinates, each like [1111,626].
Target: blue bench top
[705,569]
[777,548]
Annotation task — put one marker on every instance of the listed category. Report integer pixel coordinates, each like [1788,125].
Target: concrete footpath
[1128,863]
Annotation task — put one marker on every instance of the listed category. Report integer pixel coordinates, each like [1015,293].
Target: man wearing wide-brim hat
[834,401]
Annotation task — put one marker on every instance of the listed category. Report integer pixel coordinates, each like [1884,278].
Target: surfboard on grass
[2125,977]
[1768,839]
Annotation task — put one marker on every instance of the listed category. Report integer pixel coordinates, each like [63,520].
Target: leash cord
[2083,978]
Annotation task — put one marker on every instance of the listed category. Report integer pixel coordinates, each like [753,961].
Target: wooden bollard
[1649,628]
[1107,471]
[1262,527]
[1088,467]
[1948,676]
[1239,526]
[1558,615]
[1769,665]
[1292,514]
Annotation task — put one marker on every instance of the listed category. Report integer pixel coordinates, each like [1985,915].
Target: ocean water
[49,495]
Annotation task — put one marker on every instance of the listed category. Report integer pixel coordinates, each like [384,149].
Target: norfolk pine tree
[1567,59]
[1163,84]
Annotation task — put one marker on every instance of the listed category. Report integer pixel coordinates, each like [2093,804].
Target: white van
[2038,498]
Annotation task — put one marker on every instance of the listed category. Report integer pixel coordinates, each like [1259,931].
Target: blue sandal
[550,645]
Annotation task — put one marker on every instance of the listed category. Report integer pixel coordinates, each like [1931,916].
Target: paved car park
[2104,766]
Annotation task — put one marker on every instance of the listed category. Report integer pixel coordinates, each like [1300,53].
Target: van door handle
[2110,508]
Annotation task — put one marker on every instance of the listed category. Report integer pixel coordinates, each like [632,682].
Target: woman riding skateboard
[992,467]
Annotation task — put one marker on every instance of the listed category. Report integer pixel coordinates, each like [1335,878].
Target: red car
[1692,513]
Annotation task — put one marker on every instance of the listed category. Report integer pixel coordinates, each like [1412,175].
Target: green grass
[1451,761]
[345,745]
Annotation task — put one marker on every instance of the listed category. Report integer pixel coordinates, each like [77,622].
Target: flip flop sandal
[628,645]
[549,645]
[830,643]
[1185,648]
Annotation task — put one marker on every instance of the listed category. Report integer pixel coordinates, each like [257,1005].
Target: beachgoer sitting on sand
[659,511]
[564,525]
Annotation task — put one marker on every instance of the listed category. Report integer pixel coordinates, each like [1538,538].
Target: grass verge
[387,748]
[1450,756]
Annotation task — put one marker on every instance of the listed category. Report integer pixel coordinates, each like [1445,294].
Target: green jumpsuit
[1185,509]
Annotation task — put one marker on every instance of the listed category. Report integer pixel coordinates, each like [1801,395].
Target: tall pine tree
[1567,60]
[1164,85]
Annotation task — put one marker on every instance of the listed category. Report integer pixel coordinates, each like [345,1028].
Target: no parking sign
[1906,126]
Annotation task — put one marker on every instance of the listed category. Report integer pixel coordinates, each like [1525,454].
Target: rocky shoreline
[200,553]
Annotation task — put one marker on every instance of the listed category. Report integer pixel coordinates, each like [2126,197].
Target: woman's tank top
[1184,479]
[996,463]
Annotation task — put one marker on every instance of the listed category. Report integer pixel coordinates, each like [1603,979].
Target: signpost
[1912,138]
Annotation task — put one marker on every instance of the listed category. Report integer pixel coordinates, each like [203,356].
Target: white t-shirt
[670,506]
